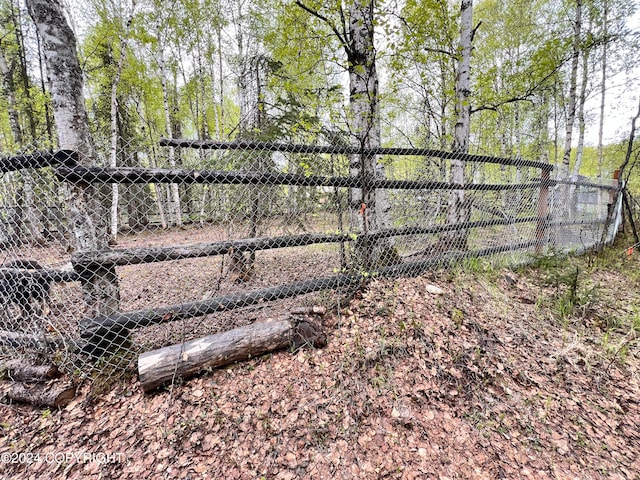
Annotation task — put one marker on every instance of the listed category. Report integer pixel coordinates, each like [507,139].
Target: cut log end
[308,333]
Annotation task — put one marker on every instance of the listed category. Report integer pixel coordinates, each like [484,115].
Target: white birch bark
[581,121]
[175,207]
[370,208]
[113,153]
[458,210]
[577,165]
[603,84]
[86,216]
[571,96]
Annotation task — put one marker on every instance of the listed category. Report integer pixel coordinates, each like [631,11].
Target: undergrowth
[599,292]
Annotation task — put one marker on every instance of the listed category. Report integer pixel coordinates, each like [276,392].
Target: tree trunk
[157,190]
[86,215]
[603,84]
[459,210]
[573,86]
[370,208]
[174,192]
[47,106]
[113,152]
[8,83]
[29,218]
[24,76]
[581,122]
[137,196]
[253,73]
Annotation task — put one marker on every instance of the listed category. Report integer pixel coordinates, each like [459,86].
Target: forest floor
[478,372]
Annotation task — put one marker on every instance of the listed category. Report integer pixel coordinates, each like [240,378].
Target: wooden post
[543,211]
[612,193]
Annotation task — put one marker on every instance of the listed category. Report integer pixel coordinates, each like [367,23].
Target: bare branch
[474,31]
[341,36]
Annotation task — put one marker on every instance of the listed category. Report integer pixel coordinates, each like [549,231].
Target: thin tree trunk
[8,81]
[370,208]
[459,210]
[175,207]
[113,153]
[43,89]
[581,123]
[251,108]
[28,214]
[573,86]
[220,83]
[23,73]
[153,164]
[577,165]
[603,84]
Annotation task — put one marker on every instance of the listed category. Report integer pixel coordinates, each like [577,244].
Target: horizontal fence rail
[139,175]
[417,152]
[176,243]
[38,160]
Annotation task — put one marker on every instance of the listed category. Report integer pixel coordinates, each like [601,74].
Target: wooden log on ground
[19,371]
[53,394]
[26,340]
[187,359]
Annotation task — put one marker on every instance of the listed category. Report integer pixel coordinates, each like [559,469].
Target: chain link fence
[189,238]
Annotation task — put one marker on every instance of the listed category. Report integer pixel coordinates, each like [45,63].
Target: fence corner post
[543,211]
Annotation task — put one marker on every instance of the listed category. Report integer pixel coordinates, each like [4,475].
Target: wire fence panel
[190,238]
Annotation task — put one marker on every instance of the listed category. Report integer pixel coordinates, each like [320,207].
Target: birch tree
[603,84]
[370,209]
[570,115]
[113,151]
[459,209]
[86,216]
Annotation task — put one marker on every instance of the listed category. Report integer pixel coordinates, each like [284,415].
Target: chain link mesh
[191,238]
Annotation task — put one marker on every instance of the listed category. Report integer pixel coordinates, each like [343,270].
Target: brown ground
[525,374]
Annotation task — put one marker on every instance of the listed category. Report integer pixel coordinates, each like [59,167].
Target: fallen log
[41,395]
[26,340]
[187,359]
[19,371]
